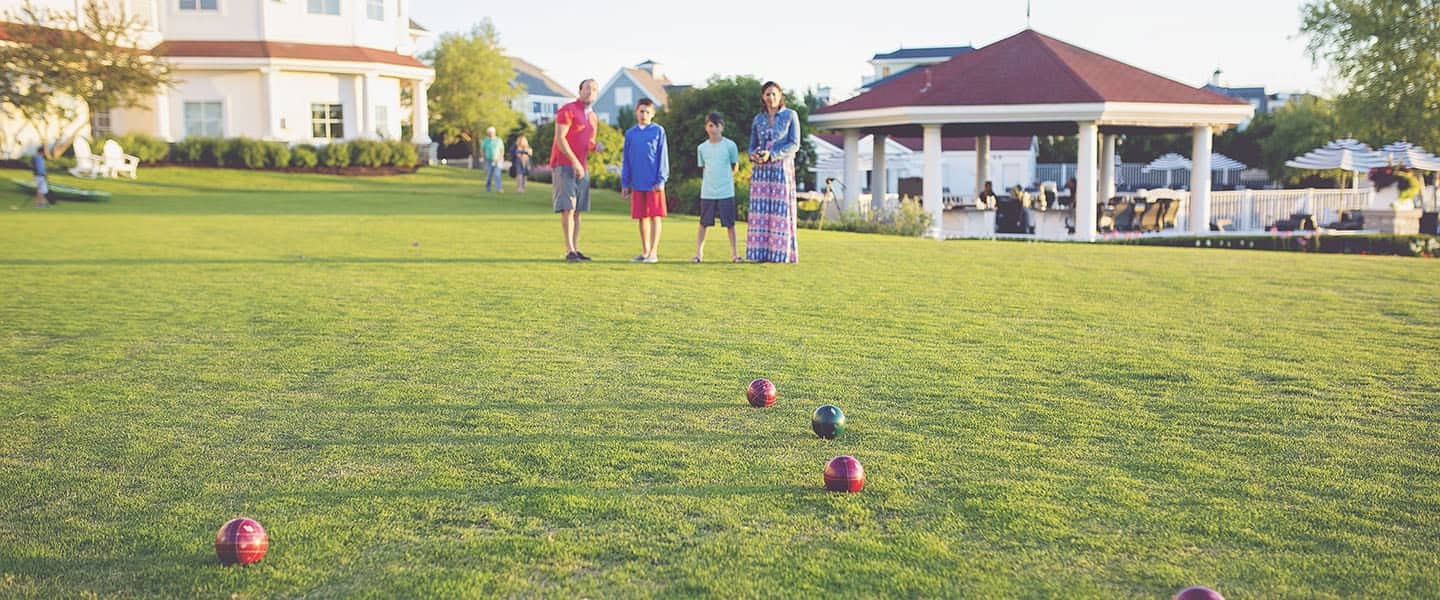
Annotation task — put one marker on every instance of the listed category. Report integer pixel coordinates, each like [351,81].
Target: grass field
[473,416]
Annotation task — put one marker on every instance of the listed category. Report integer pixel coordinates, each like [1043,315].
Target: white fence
[1257,210]
[1133,176]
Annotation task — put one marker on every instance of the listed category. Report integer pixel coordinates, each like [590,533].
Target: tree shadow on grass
[46,262]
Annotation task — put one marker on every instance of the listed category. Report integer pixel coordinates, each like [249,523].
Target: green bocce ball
[828,421]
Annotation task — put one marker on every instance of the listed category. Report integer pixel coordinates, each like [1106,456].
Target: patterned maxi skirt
[770,226]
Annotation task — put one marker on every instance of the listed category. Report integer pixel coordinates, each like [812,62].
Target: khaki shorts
[570,193]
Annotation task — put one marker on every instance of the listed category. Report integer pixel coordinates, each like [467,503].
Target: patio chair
[1150,221]
[87,165]
[1104,218]
[1124,216]
[1171,211]
[117,162]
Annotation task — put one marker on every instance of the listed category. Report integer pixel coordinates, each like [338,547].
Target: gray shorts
[725,207]
[41,186]
[571,193]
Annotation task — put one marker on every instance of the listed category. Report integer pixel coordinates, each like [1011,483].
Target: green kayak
[65,192]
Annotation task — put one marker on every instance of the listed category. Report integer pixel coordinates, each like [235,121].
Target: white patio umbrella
[1167,163]
[1409,155]
[1173,161]
[1344,154]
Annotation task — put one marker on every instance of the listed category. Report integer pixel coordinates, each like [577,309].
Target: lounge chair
[1124,216]
[1171,211]
[1150,221]
[117,162]
[86,163]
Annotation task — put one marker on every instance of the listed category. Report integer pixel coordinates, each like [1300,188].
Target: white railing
[1257,210]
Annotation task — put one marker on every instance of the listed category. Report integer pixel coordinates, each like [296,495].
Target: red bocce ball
[844,474]
[1198,592]
[761,393]
[241,541]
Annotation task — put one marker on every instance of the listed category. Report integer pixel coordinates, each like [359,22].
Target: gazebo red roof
[1028,68]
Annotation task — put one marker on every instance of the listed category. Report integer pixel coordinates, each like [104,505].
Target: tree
[472,88]
[1300,126]
[92,58]
[544,138]
[738,100]
[1384,51]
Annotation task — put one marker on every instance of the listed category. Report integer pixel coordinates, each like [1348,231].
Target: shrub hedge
[1381,244]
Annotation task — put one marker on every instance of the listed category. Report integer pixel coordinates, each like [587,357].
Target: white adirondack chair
[117,162]
[86,164]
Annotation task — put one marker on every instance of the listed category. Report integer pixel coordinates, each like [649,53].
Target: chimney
[653,68]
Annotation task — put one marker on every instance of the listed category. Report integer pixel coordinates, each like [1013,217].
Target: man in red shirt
[575,127]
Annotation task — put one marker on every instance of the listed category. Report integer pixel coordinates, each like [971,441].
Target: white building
[543,95]
[1012,162]
[311,71]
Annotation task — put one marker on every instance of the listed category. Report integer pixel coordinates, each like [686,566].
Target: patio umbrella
[1409,155]
[1167,163]
[1172,161]
[1344,154]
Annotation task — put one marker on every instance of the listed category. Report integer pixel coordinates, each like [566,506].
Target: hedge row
[1379,244]
[247,153]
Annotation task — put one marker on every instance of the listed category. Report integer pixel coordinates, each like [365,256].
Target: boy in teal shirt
[720,160]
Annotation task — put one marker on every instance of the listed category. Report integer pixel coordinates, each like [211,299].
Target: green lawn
[476,417]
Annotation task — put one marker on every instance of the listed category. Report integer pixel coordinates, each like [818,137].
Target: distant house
[543,95]
[1255,95]
[891,64]
[1012,161]
[630,84]
[300,72]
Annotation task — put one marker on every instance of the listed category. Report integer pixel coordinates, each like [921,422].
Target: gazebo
[1032,84]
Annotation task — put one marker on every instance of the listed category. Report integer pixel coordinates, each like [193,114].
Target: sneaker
[572,257]
[581,256]
[640,259]
[652,259]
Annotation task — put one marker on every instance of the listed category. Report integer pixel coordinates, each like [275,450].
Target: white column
[982,163]
[852,170]
[420,114]
[372,88]
[272,108]
[933,186]
[162,115]
[1085,182]
[1200,181]
[877,172]
[1107,168]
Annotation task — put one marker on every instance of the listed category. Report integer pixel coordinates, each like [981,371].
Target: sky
[811,44]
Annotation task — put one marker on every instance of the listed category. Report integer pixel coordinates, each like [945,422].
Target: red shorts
[647,204]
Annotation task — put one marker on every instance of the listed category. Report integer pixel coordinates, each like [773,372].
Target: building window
[624,96]
[535,107]
[100,124]
[327,121]
[204,119]
[375,9]
[382,122]
[324,7]
[199,4]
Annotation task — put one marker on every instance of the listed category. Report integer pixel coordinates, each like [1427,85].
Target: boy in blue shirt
[720,160]
[42,187]
[644,167]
